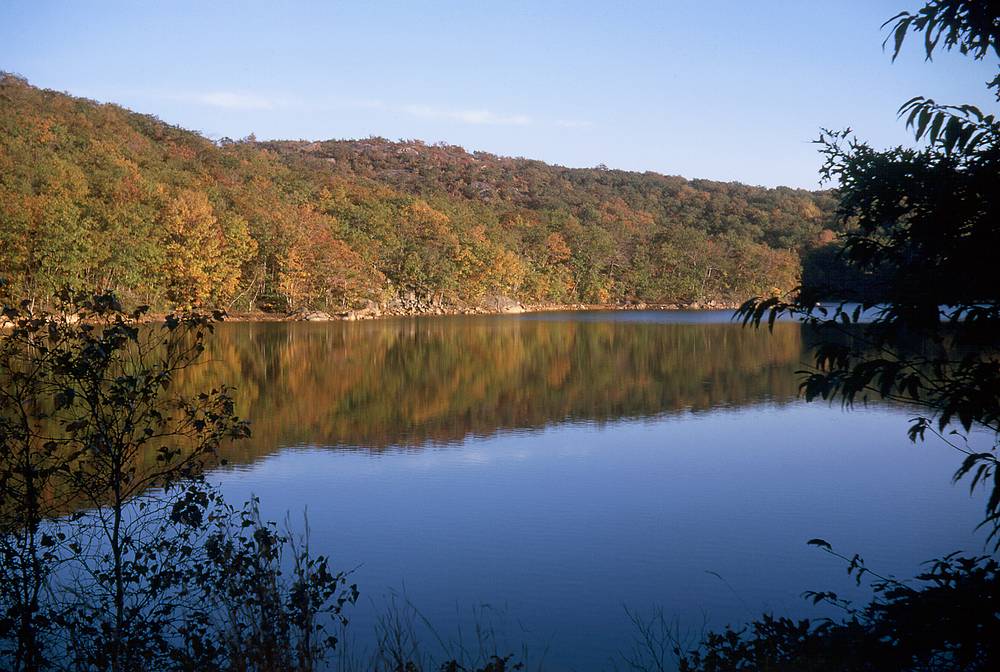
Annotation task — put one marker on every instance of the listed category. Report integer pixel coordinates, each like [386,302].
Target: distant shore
[511,308]
[375,313]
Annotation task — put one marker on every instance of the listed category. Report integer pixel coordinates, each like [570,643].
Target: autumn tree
[97,196]
[203,255]
[320,270]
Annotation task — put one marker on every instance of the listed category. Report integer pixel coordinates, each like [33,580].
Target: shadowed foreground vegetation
[945,618]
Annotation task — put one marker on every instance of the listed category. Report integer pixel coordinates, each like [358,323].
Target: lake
[539,473]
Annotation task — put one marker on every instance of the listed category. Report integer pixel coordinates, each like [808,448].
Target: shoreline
[445,311]
[374,313]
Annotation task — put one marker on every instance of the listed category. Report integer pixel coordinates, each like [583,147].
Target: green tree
[925,221]
[114,555]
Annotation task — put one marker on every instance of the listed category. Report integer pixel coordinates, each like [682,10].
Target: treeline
[93,195]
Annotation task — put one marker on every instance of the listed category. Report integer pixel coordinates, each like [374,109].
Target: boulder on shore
[369,311]
[310,316]
[503,304]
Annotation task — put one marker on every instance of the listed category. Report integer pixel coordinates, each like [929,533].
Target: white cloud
[364,104]
[333,104]
[573,123]
[231,100]
[237,100]
[478,117]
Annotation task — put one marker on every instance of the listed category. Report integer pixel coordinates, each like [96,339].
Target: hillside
[94,195]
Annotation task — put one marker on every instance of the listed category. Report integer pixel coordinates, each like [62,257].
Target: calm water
[560,467]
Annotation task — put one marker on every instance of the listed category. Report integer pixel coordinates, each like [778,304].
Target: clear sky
[720,89]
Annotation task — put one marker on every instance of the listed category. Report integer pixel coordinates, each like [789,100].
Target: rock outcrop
[310,316]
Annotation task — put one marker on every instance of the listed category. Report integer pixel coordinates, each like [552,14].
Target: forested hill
[780,218]
[97,196]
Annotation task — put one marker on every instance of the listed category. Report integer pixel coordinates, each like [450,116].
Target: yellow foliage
[203,256]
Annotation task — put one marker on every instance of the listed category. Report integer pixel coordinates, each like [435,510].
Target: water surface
[559,467]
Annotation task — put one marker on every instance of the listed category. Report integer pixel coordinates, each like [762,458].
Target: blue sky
[720,89]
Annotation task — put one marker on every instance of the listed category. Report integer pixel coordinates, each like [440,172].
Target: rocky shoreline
[500,307]
[375,312]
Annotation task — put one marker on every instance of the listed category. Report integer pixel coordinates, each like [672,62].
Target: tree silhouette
[924,221]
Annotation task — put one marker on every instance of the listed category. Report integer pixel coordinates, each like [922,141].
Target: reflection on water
[562,466]
[415,382]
